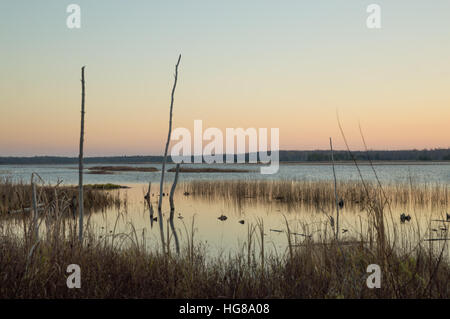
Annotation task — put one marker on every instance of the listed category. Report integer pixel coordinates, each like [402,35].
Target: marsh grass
[16,197]
[318,193]
[120,265]
[108,270]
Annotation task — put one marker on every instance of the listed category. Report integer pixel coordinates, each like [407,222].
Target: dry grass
[122,266]
[319,193]
[17,196]
[313,270]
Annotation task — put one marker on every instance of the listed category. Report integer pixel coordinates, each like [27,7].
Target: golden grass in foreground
[122,266]
[319,193]
[310,271]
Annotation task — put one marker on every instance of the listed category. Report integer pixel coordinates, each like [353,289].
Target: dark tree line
[442,154]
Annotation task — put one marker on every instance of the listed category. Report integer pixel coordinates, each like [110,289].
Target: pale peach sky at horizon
[291,67]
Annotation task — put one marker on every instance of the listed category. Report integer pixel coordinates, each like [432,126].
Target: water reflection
[282,223]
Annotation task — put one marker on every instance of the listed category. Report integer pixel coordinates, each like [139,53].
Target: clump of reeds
[319,193]
[16,197]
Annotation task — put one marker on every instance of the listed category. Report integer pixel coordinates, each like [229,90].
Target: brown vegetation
[320,193]
[121,265]
[16,197]
[310,270]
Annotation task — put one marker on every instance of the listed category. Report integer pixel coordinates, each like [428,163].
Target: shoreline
[359,162]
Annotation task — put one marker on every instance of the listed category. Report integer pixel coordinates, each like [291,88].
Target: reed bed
[16,197]
[319,193]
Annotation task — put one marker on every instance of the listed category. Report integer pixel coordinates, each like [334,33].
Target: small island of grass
[111,169]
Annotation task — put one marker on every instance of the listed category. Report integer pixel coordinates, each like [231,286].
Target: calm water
[223,237]
[386,173]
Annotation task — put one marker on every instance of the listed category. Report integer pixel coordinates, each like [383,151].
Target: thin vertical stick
[80,160]
[335,192]
[35,209]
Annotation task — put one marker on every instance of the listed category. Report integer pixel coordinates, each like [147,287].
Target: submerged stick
[80,161]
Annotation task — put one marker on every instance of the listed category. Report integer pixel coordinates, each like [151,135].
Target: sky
[291,65]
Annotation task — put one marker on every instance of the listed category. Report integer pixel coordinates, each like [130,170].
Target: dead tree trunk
[168,136]
[80,161]
[165,153]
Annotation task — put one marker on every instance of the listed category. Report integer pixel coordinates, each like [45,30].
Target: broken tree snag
[168,135]
[165,153]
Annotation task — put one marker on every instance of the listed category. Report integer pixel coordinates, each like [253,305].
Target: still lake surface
[223,237]
[420,173]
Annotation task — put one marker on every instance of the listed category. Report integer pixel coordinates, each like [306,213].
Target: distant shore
[313,163]
[432,156]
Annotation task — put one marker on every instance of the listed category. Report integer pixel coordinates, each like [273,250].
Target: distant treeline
[442,154]
[285,156]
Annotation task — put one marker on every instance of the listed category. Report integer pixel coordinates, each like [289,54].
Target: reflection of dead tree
[172,209]
[149,202]
[172,191]
[335,193]
[165,153]
[175,235]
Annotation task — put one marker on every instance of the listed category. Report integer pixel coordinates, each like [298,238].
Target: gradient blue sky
[285,64]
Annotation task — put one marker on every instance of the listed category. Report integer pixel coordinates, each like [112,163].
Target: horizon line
[224,154]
